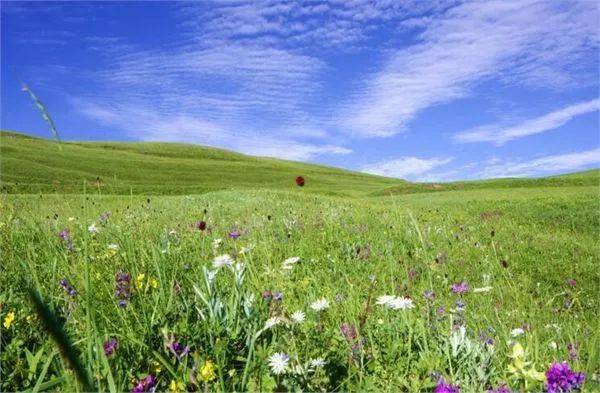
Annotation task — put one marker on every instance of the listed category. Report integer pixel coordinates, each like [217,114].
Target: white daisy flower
[318,362]
[320,305]
[278,362]
[273,321]
[289,263]
[401,303]
[517,332]
[92,228]
[222,260]
[113,246]
[483,289]
[298,316]
[217,243]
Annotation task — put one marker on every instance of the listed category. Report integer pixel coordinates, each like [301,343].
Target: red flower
[201,225]
[300,181]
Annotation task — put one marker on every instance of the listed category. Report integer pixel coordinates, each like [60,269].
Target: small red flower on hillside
[300,181]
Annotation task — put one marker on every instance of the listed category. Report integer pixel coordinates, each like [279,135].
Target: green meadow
[185,268]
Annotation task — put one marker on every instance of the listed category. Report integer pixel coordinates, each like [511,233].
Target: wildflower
[201,225]
[178,349]
[560,378]
[320,305]
[300,181]
[552,345]
[429,295]
[207,371]
[217,243]
[572,282]
[289,263]
[339,298]
[176,387]
[104,217]
[272,322]
[92,228]
[144,385]
[123,287]
[222,260]
[443,387]
[139,280]
[234,234]
[71,219]
[483,289]
[385,299]
[519,367]
[298,316]
[319,362]
[460,288]
[278,363]
[110,347]
[8,320]
[401,303]
[267,295]
[500,389]
[153,282]
[517,332]
[440,311]
[349,332]
[65,235]
[573,353]
[113,246]
[67,287]
[278,296]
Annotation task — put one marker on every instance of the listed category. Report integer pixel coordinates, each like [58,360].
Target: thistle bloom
[222,260]
[443,387]
[560,378]
[319,362]
[68,287]
[144,385]
[110,347]
[278,363]
[460,288]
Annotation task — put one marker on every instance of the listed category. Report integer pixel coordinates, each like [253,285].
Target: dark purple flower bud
[144,385]
[110,347]
[278,296]
[122,303]
[460,288]
[234,234]
[201,225]
[572,282]
[178,349]
[560,378]
[65,235]
[67,287]
[460,306]
[440,311]
[443,387]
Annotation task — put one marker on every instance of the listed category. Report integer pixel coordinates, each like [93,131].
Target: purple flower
[440,311]
[460,288]
[65,235]
[104,217]
[234,234]
[144,385]
[178,349]
[68,287]
[201,225]
[349,332]
[122,287]
[267,295]
[560,378]
[443,387]
[460,306]
[573,350]
[278,296]
[429,295]
[572,282]
[110,347]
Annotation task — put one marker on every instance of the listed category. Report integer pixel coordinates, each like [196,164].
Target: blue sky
[429,91]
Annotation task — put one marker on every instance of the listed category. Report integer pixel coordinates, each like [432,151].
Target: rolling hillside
[32,165]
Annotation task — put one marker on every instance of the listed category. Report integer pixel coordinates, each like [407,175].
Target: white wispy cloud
[553,164]
[500,135]
[523,42]
[409,168]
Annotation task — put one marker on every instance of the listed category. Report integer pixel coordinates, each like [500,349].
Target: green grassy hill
[32,165]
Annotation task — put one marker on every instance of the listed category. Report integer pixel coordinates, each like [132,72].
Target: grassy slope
[32,165]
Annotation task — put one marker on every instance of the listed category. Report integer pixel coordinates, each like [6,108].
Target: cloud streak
[500,135]
[409,168]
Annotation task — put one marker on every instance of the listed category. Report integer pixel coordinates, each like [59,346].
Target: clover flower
[560,378]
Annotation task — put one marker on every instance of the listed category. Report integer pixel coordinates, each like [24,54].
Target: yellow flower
[176,387]
[8,319]
[153,282]
[156,367]
[139,281]
[207,372]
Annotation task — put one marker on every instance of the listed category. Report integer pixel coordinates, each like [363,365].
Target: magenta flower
[144,385]
[201,225]
[560,378]
[234,234]
[443,387]
[178,349]
[110,347]
[460,288]
[349,332]
[572,282]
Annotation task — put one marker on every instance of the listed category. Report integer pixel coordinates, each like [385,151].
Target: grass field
[492,283]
